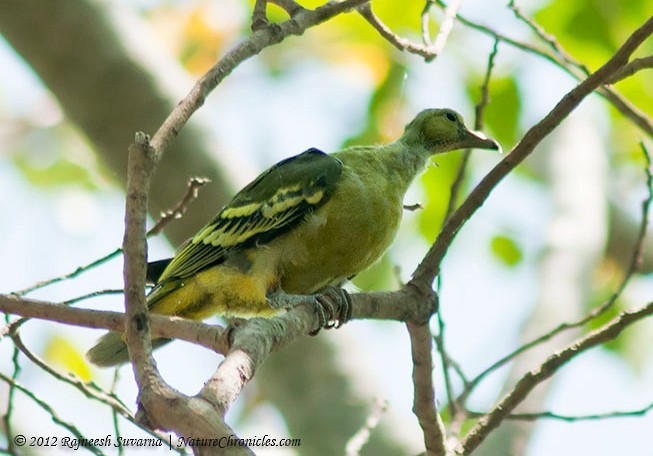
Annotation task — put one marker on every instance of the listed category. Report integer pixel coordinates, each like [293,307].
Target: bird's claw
[333,308]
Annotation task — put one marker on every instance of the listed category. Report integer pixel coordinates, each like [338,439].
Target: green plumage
[310,221]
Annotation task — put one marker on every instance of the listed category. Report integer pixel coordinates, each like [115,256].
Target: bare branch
[49,410]
[403,44]
[450,13]
[360,438]
[633,67]
[210,336]
[531,379]
[137,318]
[192,190]
[574,418]
[259,15]
[572,67]
[424,392]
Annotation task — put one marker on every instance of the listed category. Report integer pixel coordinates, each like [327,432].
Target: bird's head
[442,130]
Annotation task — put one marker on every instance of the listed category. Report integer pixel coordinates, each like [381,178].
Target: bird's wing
[271,205]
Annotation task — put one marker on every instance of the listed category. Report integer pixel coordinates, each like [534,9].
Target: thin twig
[50,411]
[357,441]
[403,44]
[550,40]
[425,20]
[450,13]
[633,67]
[177,212]
[93,294]
[114,413]
[6,418]
[192,191]
[444,359]
[453,198]
[573,418]
[70,275]
[531,379]
[478,125]
[572,67]
[427,50]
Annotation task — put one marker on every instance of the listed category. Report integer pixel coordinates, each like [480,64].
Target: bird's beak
[478,140]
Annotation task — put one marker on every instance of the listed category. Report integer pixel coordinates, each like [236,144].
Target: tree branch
[633,67]
[435,437]
[428,50]
[356,443]
[259,40]
[635,262]
[209,336]
[574,418]
[12,382]
[528,382]
[430,265]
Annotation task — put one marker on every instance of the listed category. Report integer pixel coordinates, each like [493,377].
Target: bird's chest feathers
[344,236]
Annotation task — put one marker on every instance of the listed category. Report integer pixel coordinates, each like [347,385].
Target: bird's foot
[333,308]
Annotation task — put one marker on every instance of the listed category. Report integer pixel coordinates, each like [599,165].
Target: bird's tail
[111,350]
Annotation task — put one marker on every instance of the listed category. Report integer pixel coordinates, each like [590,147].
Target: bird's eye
[451,116]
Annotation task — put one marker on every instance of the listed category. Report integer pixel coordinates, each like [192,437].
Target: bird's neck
[406,161]
[397,164]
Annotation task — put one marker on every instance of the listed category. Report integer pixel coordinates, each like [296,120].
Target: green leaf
[58,173]
[506,250]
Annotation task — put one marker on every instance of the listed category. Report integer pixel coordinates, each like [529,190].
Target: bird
[307,224]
